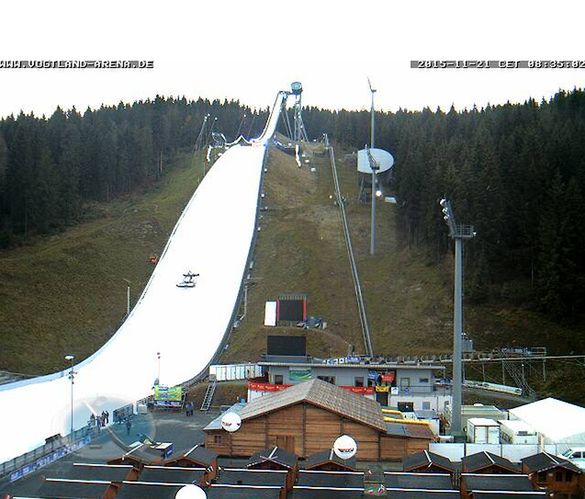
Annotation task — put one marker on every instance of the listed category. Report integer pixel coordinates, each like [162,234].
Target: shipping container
[235,372]
[483,431]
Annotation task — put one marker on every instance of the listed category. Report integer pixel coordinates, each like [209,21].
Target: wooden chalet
[198,457]
[486,462]
[276,459]
[327,460]
[474,485]
[307,418]
[428,462]
[558,475]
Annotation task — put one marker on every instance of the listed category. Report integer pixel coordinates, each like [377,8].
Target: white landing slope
[186,325]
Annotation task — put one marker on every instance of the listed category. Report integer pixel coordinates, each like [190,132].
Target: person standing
[128,426]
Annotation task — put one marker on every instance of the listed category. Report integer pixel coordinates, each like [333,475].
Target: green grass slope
[66,293]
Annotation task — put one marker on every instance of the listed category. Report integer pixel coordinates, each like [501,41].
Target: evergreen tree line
[50,167]
[515,171]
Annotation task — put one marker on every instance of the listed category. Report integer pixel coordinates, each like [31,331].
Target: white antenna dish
[383,158]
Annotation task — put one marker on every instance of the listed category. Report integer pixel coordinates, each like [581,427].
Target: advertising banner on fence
[165,396]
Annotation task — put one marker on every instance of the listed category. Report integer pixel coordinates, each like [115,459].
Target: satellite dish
[190,492]
[383,159]
[345,447]
[231,422]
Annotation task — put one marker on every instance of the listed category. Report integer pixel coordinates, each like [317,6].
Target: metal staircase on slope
[208,397]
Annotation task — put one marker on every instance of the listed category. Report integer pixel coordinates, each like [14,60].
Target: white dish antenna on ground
[383,158]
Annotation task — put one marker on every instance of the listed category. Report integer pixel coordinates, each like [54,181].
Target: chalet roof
[499,494]
[332,479]
[426,459]
[171,474]
[417,481]
[328,456]
[199,455]
[496,482]
[545,461]
[409,430]
[64,488]
[320,394]
[275,455]
[482,460]
[243,476]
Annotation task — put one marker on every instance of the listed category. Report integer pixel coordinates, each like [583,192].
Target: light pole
[373,91]
[374,166]
[127,296]
[458,233]
[158,358]
[72,378]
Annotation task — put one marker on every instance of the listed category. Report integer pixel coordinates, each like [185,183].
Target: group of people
[99,420]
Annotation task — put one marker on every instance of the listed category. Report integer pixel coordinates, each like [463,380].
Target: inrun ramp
[213,238]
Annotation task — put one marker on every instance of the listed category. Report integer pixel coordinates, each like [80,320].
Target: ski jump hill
[187,326]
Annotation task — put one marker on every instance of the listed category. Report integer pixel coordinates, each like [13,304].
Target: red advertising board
[270,387]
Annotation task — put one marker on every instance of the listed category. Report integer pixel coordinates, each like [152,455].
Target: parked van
[577,456]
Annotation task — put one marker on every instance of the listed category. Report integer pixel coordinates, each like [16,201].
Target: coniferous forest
[49,168]
[514,171]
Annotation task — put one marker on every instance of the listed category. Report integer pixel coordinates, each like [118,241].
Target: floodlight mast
[372,126]
[374,166]
[458,233]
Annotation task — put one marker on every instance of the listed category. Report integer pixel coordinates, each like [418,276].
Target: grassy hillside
[67,294]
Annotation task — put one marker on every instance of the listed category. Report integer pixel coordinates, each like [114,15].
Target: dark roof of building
[421,481]
[320,394]
[328,456]
[222,491]
[307,492]
[143,490]
[422,494]
[503,482]
[242,476]
[199,455]
[334,479]
[171,474]
[545,461]
[59,488]
[482,460]
[418,431]
[93,472]
[498,494]
[426,459]
[275,455]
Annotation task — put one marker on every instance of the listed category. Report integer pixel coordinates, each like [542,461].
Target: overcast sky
[247,50]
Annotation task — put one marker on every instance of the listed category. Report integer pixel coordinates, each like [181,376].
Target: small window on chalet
[218,439]
[568,476]
[541,477]
[359,381]
[423,381]
[328,379]
[559,476]
[278,380]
